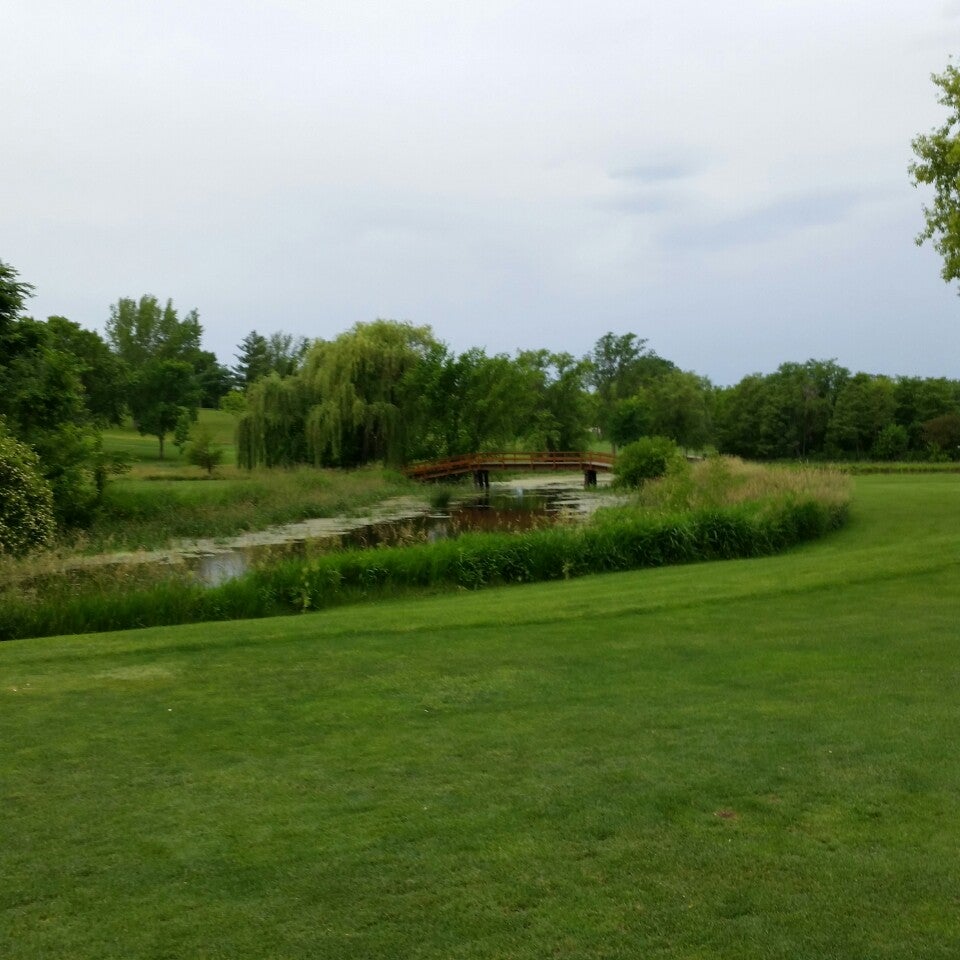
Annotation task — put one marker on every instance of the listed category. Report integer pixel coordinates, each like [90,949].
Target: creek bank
[518,504]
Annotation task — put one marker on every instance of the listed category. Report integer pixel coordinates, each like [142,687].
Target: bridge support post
[481,478]
[589,478]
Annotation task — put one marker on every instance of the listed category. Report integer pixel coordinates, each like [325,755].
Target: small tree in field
[645,459]
[203,452]
[182,428]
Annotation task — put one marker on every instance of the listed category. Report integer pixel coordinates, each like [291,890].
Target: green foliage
[148,338]
[943,433]
[203,452]
[13,296]
[259,356]
[353,400]
[629,420]
[619,366]
[26,500]
[553,404]
[271,429]
[938,165]
[162,392]
[679,408]
[141,331]
[776,517]
[360,383]
[103,376]
[865,404]
[785,414]
[645,459]
[892,442]
[253,361]
[234,403]
[44,403]
[181,430]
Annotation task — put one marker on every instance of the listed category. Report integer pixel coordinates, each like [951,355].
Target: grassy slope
[159,501]
[145,450]
[749,759]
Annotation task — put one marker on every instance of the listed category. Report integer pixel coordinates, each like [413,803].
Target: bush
[26,500]
[645,459]
[203,452]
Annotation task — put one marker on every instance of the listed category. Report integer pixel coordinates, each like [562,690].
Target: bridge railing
[528,460]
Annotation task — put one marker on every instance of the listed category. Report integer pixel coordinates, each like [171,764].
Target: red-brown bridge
[481,465]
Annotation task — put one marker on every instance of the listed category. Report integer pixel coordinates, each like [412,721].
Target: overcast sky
[727,180]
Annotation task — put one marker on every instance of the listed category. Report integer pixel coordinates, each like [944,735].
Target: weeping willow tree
[353,400]
[366,406]
[270,431]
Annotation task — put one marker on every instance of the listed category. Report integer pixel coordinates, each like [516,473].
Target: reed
[728,510]
[146,514]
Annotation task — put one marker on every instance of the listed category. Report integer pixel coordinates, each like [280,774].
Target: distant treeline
[392,392]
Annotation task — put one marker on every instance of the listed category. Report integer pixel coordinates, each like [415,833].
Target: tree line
[393,392]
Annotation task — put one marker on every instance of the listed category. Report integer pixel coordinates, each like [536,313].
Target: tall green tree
[162,391]
[147,337]
[142,330]
[921,399]
[365,406]
[13,296]
[559,407]
[492,404]
[679,404]
[779,415]
[354,399]
[253,360]
[43,402]
[103,375]
[938,166]
[285,352]
[271,428]
[865,405]
[258,356]
[619,366]
[943,434]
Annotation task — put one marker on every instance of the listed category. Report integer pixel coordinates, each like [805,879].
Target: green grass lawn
[734,760]
[144,451]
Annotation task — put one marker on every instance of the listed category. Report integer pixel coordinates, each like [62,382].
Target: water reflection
[513,510]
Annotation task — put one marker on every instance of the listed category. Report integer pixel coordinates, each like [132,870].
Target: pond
[504,507]
[518,505]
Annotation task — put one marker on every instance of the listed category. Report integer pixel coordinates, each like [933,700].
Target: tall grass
[721,510]
[145,514]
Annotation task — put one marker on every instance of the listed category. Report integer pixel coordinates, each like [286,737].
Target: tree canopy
[938,165]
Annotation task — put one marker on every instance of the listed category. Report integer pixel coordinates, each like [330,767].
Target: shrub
[26,500]
[645,459]
[203,452]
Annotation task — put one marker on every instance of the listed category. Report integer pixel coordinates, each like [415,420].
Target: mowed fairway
[735,760]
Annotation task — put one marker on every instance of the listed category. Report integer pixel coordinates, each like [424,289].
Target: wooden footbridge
[482,464]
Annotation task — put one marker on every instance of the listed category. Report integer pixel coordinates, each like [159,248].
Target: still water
[511,509]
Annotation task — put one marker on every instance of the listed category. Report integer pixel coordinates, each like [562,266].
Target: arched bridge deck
[482,464]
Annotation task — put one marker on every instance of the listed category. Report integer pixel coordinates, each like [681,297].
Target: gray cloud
[513,174]
[779,218]
[660,171]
